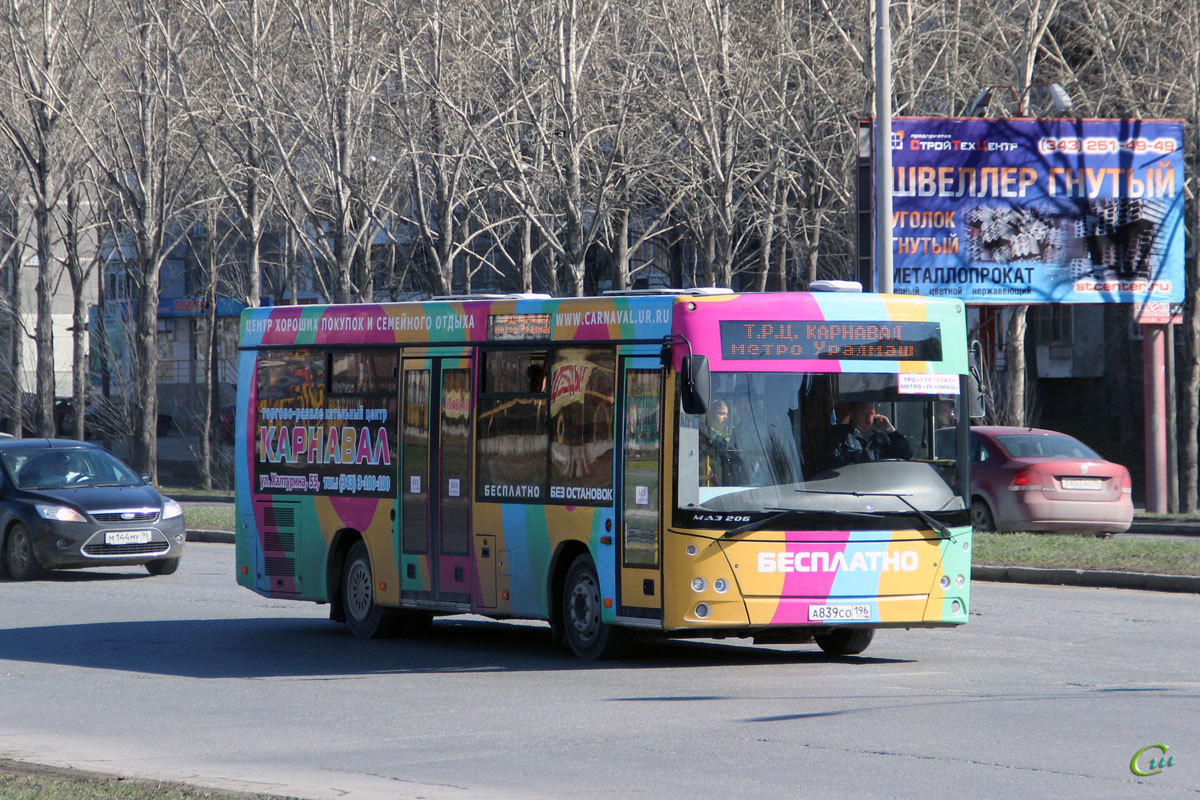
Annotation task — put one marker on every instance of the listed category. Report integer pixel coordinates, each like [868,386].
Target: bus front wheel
[845,641]
[587,636]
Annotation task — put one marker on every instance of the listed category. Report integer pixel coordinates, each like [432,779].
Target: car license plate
[1081,483]
[831,613]
[127,537]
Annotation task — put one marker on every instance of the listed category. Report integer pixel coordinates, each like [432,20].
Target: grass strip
[1055,551]
[208,517]
[23,781]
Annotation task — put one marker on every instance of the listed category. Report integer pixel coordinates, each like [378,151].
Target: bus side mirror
[696,384]
[975,405]
[975,399]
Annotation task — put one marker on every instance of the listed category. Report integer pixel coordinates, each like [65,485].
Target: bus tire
[845,641]
[365,618]
[585,634]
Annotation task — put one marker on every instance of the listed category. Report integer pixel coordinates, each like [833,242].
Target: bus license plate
[833,613]
[127,537]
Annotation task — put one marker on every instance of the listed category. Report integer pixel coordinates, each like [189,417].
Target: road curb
[1165,528]
[1098,579]
[220,537]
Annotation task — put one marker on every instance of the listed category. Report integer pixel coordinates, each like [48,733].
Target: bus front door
[434,520]
[641,470]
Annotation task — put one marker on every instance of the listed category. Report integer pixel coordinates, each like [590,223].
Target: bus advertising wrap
[1038,210]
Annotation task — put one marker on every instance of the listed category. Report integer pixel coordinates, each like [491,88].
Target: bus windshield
[821,442]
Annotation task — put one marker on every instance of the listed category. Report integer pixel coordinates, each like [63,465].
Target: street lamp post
[883,146]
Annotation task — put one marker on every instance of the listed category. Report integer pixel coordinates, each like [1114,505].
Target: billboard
[1038,210]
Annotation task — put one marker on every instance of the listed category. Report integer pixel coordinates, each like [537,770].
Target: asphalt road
[1047,692]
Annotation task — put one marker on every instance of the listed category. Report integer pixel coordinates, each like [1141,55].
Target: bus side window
[514,372]
[582,394]
[511,429]
[363,373]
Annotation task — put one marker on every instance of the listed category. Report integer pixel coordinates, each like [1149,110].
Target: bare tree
[229,105]
[707,104]
[13,235]
[1114,73]
[553,153]
[435,103]
[339,163]
[46,44]
[81,262]
[139,144]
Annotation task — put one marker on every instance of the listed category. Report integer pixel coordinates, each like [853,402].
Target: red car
[1030,479]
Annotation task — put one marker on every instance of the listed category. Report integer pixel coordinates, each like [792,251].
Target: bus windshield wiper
[925,517]
[778,513]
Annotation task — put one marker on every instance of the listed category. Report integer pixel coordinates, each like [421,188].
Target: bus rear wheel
[845,641]
[588,637]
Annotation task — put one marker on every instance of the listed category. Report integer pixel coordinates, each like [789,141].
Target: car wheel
[162,566]
[18,555]
[845,641]
[366,618]
[586,635]
[981,516]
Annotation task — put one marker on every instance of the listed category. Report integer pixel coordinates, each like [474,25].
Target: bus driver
[867,436]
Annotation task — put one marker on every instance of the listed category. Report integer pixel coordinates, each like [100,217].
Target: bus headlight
[960,580]
[721,585]
[945,582]
[702,611]
[699,584]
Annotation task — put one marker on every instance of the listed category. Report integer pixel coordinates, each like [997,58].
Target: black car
[66,504]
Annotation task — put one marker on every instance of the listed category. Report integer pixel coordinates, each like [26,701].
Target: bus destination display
[850,340]
[519,326]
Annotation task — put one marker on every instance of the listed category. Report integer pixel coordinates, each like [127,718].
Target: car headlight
[58,513]
[171,509]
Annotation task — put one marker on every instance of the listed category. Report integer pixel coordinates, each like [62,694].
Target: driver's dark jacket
[851,447]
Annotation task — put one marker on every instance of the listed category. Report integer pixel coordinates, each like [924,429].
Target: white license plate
[833,613]
[1081,483]
[127,537]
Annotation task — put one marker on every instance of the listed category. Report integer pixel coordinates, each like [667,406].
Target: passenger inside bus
[716,461]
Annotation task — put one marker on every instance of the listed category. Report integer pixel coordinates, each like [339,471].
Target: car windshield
[817,442]
[1045,445]
[60,468]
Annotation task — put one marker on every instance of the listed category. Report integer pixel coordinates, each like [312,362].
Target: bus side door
[640,549]
[434,520]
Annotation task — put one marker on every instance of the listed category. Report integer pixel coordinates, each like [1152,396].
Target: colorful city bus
[675,464]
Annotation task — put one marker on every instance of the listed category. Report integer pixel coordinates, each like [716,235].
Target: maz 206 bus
[656,463]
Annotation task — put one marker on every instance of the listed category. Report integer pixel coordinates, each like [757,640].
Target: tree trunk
[44,326]
[1014,367]
[145,380]
[620,249]
[79,327]
[525,256]
[1189,467]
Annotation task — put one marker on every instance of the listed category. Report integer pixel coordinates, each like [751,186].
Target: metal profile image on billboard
[1038,210]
